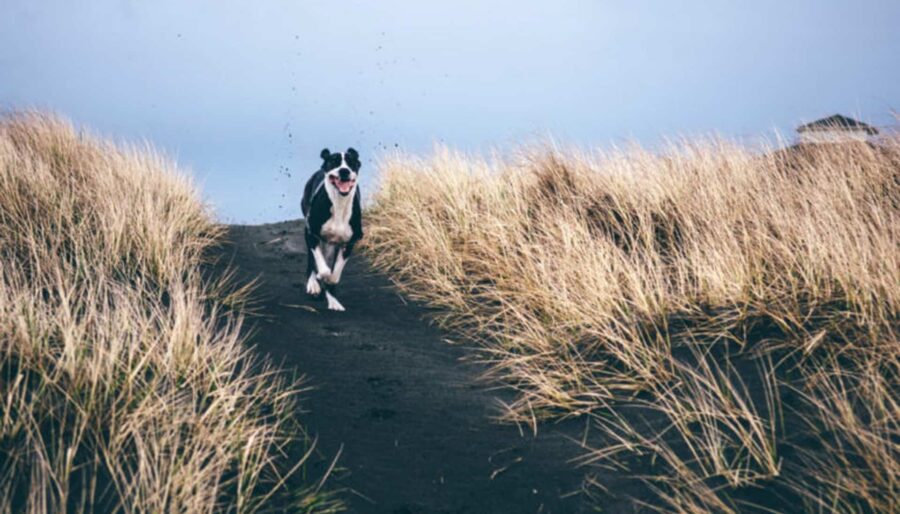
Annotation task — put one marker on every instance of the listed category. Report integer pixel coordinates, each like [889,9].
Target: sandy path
[414,425]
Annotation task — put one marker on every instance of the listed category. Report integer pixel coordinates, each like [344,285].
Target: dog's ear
[353,154]
[325,154]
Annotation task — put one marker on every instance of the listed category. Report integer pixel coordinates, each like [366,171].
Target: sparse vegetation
[728,318]
[123,381]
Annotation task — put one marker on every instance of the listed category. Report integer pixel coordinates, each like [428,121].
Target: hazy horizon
[247,96]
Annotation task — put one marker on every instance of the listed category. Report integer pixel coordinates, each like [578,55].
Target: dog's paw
[324,276]
[331,279]
[312,287]
[333,303]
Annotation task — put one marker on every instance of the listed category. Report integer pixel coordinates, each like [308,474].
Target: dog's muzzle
[343,182]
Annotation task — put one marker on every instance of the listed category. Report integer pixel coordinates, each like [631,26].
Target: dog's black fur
[322,192]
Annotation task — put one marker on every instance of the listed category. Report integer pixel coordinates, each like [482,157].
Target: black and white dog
[331,206]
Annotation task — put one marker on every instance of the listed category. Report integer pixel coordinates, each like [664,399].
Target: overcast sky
[246,94]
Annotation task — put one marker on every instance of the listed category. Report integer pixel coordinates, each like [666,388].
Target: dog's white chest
[336,229]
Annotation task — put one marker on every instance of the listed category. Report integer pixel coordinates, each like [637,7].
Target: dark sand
[414,422]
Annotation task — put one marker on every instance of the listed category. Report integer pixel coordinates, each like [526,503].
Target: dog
[331,206]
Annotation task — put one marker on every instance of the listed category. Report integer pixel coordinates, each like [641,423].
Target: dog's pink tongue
[344,187]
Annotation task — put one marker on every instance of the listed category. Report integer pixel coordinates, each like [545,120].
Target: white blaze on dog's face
[341,170]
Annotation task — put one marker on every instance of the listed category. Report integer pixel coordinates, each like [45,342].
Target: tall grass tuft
[727,317]
[124,383]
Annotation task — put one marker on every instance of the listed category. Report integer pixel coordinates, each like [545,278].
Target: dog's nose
[344,174]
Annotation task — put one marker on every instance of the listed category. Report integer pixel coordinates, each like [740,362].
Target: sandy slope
[414,424]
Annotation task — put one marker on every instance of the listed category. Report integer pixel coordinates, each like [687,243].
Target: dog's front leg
[322,268]
[312,285]
[339,264]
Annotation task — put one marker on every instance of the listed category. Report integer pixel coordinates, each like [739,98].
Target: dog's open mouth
[343,186]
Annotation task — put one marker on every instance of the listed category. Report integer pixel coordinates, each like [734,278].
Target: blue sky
[246,94]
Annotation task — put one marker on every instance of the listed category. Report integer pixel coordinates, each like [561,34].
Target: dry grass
[124,383]
[730,315]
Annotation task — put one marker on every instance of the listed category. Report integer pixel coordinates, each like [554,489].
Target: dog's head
[341,170]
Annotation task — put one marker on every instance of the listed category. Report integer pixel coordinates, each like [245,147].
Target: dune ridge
[125,384]
[727,317]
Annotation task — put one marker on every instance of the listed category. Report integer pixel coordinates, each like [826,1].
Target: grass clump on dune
[124,383]
[728,318]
